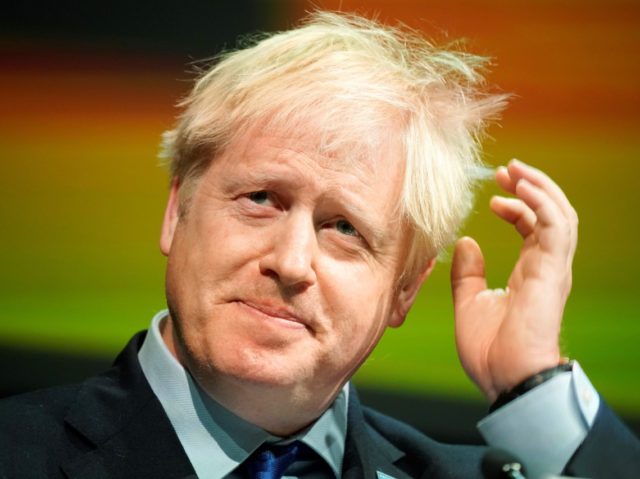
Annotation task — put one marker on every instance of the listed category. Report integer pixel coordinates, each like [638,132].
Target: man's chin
[268,363]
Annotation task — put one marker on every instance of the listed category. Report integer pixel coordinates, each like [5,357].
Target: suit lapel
[125,426]
[368,454]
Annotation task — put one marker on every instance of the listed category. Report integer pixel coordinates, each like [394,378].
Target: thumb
[467,271]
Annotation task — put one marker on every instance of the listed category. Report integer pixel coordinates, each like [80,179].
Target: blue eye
[259,197]
[346,228]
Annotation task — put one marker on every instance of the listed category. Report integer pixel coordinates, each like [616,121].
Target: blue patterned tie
[270,462]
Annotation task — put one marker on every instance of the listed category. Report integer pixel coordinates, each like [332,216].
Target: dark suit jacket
[112,426]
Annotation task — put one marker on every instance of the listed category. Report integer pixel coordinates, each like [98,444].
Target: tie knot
[270,461]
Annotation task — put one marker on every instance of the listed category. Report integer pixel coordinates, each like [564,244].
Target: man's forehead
[374,156]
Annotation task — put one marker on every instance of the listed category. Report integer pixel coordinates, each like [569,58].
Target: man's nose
[292,253]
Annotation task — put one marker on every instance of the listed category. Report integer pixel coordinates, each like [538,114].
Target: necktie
[270,462]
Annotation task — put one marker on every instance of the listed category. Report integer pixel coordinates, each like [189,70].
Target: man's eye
[346,228]
[260,197]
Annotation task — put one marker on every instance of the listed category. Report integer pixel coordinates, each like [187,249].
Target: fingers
[544,203]
[504,180]
[547,212]
[467,271]
[508,177]
[516,212]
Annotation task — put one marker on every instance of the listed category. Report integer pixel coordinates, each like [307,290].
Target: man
[316,176]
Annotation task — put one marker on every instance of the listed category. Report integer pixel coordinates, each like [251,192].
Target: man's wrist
[529,383]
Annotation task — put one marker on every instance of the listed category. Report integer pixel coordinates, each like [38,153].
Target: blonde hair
[354,82]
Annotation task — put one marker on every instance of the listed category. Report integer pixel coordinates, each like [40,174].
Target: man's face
[284,270]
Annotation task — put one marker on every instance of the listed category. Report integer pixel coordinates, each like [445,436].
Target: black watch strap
[528,384]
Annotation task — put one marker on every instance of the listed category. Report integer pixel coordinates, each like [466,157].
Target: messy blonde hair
[355,82]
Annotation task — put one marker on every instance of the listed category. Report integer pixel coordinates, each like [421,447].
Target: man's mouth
[282,314]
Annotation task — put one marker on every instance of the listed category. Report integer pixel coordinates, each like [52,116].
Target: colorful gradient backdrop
[83,194]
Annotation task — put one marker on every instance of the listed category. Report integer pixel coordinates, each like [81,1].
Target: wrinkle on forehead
[331,144]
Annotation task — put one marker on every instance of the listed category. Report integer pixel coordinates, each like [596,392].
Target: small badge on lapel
[382,475]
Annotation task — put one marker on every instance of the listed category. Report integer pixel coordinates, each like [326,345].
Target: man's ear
[171,216]
[407,295]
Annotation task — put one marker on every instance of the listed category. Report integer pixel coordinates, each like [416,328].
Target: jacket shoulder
[41,430]
[33,431]
[31,414]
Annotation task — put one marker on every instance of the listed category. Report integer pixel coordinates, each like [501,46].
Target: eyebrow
[378,234]
[252,177]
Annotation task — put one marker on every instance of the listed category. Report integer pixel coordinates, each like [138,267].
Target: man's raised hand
[505,335]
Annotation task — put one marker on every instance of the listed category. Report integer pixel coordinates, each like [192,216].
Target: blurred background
[86,88]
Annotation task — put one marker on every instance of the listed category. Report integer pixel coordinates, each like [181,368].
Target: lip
[282,314]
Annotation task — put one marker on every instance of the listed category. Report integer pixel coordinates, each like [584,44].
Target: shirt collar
[214,438]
